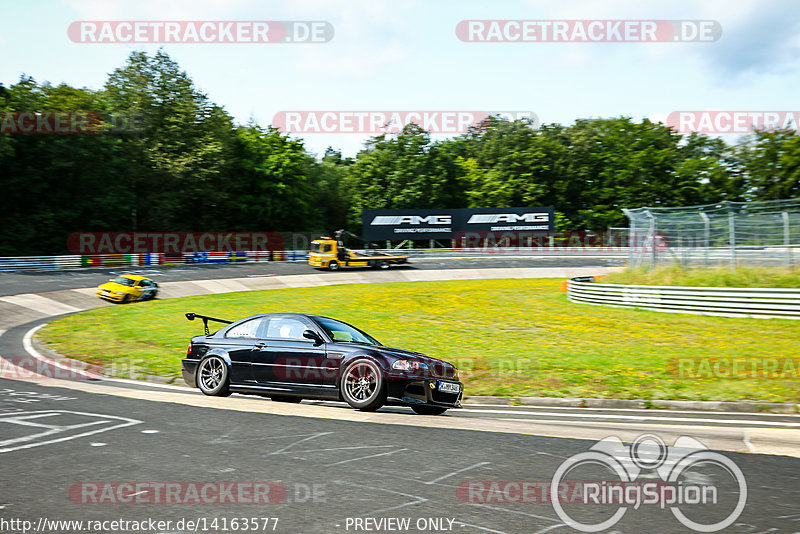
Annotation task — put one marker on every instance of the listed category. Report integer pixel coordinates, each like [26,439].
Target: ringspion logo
[198,31]
[588,31]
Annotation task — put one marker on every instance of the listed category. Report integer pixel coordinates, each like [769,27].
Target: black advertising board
[536,219]
[393,225]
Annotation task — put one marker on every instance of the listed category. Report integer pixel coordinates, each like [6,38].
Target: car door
[240,342]
[284,357]
[147,289]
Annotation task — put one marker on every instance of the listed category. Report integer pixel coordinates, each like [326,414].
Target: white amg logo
[396,220]
[493,218]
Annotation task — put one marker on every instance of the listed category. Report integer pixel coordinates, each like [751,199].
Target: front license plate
[449,387]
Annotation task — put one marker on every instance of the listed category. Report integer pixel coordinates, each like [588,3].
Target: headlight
[119,293]
[409,365]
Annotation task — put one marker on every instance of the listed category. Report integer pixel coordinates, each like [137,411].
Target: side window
[327,248]
[248,329]
[286,328]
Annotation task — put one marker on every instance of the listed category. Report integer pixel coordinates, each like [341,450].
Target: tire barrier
[48,263]
[720,301]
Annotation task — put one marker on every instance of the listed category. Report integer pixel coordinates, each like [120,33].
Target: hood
[113,286]
[438,368]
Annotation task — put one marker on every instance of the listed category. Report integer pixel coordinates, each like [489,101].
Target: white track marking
[448,475]
[746,440]
[27,344]
[642,418]
[40,304]
[22,418]
[184,389]
[301,441]
[642,410]
[365,457]
[482,529]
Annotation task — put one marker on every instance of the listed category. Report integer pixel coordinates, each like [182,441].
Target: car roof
[135,277]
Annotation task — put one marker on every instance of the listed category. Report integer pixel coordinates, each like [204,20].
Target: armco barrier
[49,263]
[722,301]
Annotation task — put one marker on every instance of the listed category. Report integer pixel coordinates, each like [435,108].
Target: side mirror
[310,334]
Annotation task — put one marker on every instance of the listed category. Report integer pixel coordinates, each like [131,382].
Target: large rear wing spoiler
[205,318]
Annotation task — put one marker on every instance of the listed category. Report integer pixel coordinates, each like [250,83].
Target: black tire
[126,299]
[429,410]
[362,385]
[383,265]
[285,398]
[333,266]
[212,377]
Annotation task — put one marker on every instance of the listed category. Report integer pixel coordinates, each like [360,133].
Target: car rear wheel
[429,410]
[383,265]
[362,385]
[285,398]
[333,266]
[212,377]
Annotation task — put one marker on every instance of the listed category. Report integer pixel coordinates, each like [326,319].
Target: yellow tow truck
[330,253]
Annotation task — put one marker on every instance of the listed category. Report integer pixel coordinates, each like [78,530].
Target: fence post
[787,239]
[732,235]
[631,236]
[652,236]
[706,235]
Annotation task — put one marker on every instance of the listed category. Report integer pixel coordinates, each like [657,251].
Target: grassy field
[675,275]
[509,337]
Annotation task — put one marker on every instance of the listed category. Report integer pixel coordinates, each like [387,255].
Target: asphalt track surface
[36,282]
[334,469]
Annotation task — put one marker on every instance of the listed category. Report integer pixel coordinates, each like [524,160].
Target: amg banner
[379,225]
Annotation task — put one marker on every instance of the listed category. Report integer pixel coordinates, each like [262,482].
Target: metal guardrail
[721,301]
[50,263]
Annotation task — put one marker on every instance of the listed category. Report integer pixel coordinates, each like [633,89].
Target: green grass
[675,275]
[509,337]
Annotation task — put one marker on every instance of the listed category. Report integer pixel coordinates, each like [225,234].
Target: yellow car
[128,287]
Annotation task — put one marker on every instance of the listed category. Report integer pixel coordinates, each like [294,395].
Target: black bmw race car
[290,356]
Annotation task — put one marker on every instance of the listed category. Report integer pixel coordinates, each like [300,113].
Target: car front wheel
[212,377]
[333,266]
[362,385]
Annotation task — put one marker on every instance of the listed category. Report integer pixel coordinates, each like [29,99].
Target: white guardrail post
[721,301]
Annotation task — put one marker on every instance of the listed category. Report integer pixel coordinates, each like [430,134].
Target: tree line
[190,167]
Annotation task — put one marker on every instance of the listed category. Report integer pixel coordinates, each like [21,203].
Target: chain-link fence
[763,233]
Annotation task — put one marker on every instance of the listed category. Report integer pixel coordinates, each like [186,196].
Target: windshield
[123,281]
[339,331]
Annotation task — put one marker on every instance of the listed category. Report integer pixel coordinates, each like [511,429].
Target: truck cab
[329,253]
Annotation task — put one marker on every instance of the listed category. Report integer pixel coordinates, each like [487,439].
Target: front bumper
[408,392]
[108,295]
